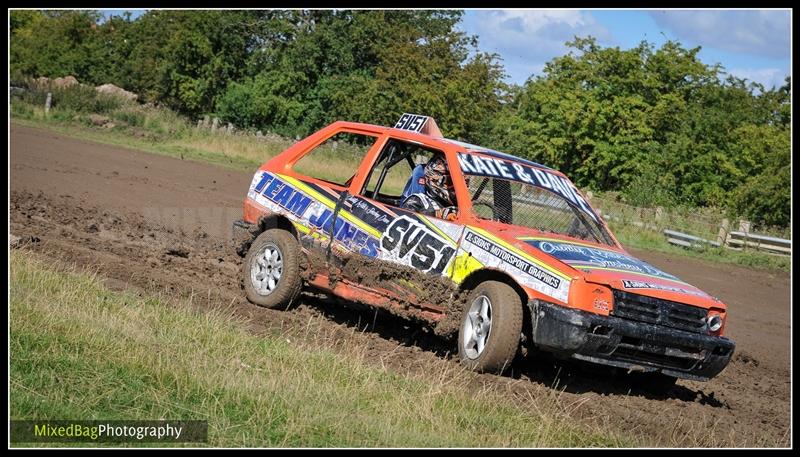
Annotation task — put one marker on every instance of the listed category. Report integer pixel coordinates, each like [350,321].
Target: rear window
[336,159]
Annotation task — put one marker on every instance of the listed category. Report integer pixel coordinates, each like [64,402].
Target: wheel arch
[275,220]
[244,238]
[489,274]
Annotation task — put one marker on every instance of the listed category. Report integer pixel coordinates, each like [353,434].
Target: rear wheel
[271,270]
[489,334]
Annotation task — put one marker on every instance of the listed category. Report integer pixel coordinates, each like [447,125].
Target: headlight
[714,322]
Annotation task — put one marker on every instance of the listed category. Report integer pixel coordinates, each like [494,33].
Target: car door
[311,186]
[425,243]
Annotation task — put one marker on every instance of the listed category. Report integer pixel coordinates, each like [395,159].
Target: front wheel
[271,270]
[489,334]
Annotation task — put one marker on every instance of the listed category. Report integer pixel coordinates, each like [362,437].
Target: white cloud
[526,39]
[767,77]
[760,33]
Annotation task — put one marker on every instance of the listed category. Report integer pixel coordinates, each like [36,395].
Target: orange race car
[504,251]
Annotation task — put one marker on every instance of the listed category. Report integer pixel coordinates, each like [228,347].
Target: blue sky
[752,44]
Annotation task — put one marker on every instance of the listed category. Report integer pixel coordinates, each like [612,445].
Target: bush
[79,98]
[765,199]
[130,117]
[84,99]
[649,189]
[22,110]
[32,95]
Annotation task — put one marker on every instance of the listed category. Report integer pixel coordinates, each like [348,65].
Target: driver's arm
[418,205]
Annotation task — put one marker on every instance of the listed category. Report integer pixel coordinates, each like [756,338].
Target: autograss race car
[505,252]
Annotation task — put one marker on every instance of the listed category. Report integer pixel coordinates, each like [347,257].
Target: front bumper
[625,343]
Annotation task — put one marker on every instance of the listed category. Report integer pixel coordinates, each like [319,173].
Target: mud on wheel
[271,270]
[489,333]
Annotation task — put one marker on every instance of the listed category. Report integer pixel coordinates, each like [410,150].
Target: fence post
[722,235]
[744,226]
[229,130]
[47,103]
[206,121]
[214,125]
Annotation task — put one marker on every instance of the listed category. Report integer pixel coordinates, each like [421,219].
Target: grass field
[81,351]
[163,132]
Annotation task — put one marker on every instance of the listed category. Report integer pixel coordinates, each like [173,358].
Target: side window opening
[397,166]
[390,173]
[337,159]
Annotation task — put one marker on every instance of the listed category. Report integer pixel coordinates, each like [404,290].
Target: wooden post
[206,121]
[722,235]
[47,103]
[214,125]
[229,130]
[744,226]
[658,215]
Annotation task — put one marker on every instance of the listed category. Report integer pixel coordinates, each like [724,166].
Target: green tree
[657,124]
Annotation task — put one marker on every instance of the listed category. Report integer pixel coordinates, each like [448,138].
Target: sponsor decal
[369,213]
[410,243]
[587,257]
[413,122]
[271,191]
[474,164]
[512,259]
[281,193]
[350,236]
[648,285]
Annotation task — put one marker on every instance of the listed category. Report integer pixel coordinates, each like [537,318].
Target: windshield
[525,196]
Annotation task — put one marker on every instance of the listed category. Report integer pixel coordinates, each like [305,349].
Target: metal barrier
[737,240]
[740,240]
[689,241]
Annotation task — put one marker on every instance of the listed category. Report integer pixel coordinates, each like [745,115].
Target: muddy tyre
[489,334]
[271,270]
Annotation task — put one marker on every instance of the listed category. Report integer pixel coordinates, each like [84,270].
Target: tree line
[656,124]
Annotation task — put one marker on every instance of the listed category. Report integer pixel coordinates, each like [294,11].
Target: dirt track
[162,224]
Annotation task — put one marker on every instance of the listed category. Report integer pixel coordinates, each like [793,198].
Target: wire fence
[713,226]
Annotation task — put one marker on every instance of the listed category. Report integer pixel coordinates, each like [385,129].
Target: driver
[436,198]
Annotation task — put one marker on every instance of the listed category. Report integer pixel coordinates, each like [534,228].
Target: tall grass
[81,351]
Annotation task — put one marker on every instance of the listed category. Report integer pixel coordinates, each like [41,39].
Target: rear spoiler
[425,125]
